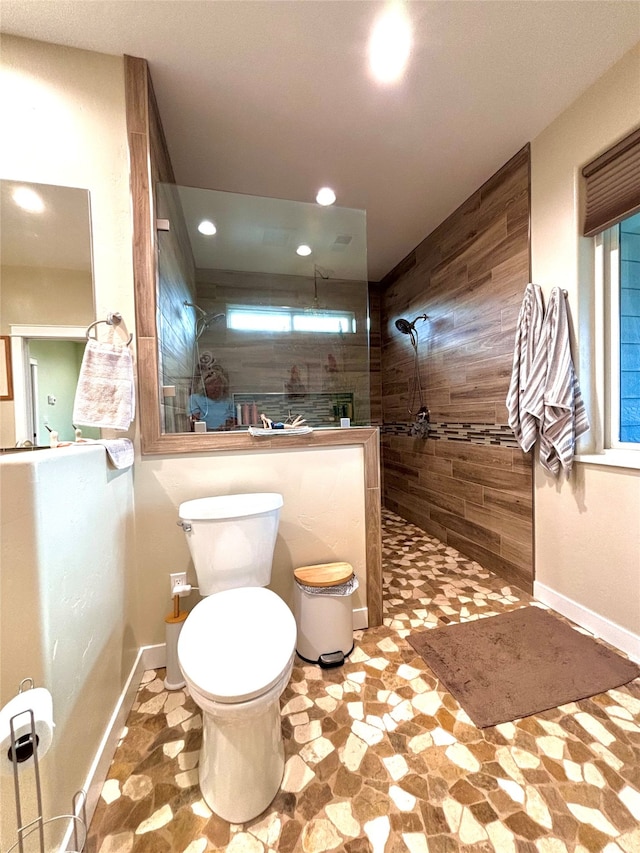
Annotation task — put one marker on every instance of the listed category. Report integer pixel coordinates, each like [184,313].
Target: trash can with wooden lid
[324,612]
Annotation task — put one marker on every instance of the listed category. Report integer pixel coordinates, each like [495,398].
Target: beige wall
[587,540]
[66,522]
[322,518]
[67,530]
[36,296]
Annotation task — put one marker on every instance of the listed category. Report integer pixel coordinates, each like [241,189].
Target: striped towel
[522,422]
[554,396]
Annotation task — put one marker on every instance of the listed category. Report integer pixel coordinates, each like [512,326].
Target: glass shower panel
[246,325]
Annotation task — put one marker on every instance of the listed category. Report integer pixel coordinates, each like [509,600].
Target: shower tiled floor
[380,757]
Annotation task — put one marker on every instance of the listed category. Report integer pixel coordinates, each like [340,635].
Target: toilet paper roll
[39,700]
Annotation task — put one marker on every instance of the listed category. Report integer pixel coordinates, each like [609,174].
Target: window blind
[612,185]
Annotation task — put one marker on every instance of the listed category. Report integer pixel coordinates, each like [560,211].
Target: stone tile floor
[380,757]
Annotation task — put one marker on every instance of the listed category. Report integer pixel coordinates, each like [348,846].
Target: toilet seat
[236,644]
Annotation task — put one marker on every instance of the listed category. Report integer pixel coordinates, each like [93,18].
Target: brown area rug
[519,663]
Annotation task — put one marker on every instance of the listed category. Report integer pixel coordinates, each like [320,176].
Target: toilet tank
[231,539]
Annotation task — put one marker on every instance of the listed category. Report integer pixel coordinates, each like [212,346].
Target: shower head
[407,327]
[203,320]
[208,319]
[404,326]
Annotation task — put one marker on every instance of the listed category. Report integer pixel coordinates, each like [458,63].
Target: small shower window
[281,319]
[324,321]
[250,319]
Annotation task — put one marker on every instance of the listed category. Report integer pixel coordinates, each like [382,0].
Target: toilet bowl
[236,651]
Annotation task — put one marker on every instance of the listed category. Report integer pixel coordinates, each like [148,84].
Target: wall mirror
[262,307]
[46,301]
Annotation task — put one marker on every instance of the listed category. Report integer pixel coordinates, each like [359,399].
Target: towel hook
[113,319]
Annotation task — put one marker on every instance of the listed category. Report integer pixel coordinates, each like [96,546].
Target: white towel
[523,423]
[274,433]
[119,451]
[105,395]
[554,398]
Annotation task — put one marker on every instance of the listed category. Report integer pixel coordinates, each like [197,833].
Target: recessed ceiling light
[325,196]
[207,228]
[303,250]
[28,200]
[390,45]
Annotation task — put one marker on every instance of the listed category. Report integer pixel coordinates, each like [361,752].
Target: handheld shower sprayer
[420,426]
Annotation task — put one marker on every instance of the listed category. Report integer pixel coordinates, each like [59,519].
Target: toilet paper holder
[68,830]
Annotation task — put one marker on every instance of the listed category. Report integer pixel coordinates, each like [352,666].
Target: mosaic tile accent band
[497,435]
[380,757]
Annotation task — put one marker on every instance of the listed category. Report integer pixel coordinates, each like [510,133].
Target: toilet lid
[229,506]
[326,574]
[235,644]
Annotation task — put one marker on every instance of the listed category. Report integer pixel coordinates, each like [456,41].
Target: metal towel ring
[113,319]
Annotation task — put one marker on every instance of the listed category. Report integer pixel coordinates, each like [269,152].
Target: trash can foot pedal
[330,659]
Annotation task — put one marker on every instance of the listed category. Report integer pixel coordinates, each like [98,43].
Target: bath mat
[519,663]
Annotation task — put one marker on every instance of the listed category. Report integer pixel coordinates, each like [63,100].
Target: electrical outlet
[177,579]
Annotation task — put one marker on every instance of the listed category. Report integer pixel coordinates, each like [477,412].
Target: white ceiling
[273,97]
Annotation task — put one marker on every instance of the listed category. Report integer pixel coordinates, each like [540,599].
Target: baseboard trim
[148,657]
[104,755]
[610,632]
[154,657]
[360,618]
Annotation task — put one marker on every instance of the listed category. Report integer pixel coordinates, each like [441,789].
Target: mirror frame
[6,374]
[149,164]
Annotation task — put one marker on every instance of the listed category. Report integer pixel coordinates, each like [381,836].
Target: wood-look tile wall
[375,354]
[468,276]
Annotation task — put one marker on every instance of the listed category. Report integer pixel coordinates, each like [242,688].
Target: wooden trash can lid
[326,574]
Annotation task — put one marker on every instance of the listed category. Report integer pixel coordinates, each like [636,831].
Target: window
[618,253]
[258,318]
[630,329]
[611,189]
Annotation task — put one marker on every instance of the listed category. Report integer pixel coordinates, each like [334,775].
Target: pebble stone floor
[380,757]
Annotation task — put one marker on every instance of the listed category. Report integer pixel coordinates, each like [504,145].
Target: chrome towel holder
[113,319]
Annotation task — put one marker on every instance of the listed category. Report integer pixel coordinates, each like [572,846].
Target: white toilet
[236,650]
